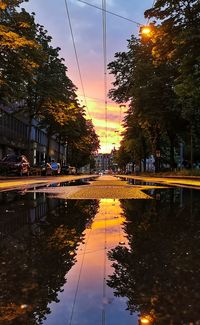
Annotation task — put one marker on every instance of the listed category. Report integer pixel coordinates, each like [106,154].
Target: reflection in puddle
[76,182]
[86,298]
[138,182]
[61,260]
[159,271]
[54,264]
[38,248]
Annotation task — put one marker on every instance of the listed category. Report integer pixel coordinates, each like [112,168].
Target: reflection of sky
[86,299]
[87,28]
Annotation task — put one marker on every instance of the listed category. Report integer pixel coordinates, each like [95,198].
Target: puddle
[138,182]
[100,261]
[159,271]
[78,182]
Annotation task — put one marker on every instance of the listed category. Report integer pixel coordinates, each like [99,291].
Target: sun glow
[95,111]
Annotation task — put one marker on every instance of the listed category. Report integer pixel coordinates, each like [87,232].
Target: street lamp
[145,30]
[157,160]
[145,319]
[65,153]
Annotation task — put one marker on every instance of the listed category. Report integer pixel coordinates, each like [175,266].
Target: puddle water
[77,182]
[94,262]
[133,181]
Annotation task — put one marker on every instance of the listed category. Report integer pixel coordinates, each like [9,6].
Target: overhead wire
[104,26]
[104,11]
[76,56]
[79,277]
[104,265]
[111,13]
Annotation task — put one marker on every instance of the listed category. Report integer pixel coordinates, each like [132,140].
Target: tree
[136,139]
[33,74]
[18,59]
[176,40]
[153,105]
[50,90]
[122,156]
[83,142]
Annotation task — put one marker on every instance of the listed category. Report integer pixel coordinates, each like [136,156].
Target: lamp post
[157,162]
[181,155]
[65,153]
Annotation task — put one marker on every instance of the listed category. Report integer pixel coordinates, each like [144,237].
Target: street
[106,181]
[99,162]
[75,250]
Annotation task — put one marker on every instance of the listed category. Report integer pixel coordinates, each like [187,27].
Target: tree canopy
[33,74]
[159,78]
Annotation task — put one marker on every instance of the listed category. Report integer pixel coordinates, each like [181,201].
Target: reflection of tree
[159,272]
[34,262]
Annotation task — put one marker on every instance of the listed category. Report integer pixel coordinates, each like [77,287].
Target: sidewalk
[14,183]
[186,181]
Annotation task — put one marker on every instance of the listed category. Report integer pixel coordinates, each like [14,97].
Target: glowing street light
[144,320]
[146,31]
[147,319]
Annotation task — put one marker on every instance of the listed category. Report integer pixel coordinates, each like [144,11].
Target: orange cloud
[111,138]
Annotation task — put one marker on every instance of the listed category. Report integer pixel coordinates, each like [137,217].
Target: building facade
[14,139]
[102,162]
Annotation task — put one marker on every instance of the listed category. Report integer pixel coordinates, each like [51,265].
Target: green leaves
[160,77]
[32,71]
[18,46]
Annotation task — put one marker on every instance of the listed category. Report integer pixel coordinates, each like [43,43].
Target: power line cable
[79,277]
[76,55]
[104,265]
[111,13]
[105,66]
[104,25]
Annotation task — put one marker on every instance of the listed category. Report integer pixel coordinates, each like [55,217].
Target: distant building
[102,162]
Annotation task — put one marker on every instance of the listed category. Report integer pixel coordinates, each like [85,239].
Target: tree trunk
[145,155]
[145,164]
[48,146]
[156,165]
[172,161]
[191,147]
[29,137]
[157,160]
[140,165]
[59,145]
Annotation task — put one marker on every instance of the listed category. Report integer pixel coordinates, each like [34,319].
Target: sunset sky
[87,28]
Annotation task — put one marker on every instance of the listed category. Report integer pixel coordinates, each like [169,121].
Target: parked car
[65,170]
[43,168]
[17,164]
[68,170]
